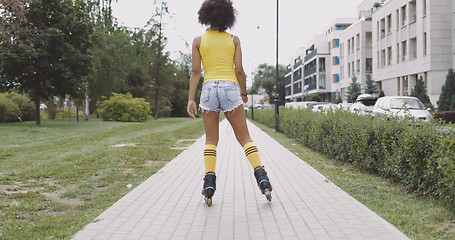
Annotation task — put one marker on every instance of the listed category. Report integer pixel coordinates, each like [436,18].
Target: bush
[445,116]
[125,108]
[9,111]
[26,106]
[15,107]
[422,158]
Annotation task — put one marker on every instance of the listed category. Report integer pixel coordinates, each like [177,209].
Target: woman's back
[217,53]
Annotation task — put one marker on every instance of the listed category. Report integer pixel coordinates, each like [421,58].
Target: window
[357,41]
[425,79]
[349,69]
[424,7]
[403,15]
[398,19]
[389,55]
[382,27]
[412,48]
[383,62]
[412,11]
[398,86]
[389,23]
[358,66]
[349,46]
[405,85]
[379,29]
[425,44]
[352,42]
[398,53]
[336,61]
[340,27]
[404,49]
[336,78]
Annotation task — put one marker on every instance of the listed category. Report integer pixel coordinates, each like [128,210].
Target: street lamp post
[277,99]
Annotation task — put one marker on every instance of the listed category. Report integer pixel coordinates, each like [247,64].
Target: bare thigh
[211,120]
[237,120]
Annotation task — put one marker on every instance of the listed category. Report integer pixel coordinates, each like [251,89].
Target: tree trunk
[37,113]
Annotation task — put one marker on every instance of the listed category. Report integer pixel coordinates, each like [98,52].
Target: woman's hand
[245,98]
[191,109]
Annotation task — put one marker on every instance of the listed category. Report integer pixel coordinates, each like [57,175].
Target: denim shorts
[220,96]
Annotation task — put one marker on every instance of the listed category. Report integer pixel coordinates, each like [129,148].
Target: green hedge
[15,107]
[125,108]
[421,157]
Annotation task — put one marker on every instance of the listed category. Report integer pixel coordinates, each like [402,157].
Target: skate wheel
[268,195]
[209,202]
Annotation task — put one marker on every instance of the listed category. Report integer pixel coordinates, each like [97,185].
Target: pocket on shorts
[232,93]
[205,95]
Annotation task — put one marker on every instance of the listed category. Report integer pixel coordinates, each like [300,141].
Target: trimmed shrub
[420,157]
[125,108]
[445,116]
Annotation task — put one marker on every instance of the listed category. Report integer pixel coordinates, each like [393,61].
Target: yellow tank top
[217,53]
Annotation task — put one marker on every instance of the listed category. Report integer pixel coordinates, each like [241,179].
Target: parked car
[299,105]
[401,106]
[344,106]
[324,107]
[364,104]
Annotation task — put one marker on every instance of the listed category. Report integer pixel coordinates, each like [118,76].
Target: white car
[363,104]
[401,106]
[324,107]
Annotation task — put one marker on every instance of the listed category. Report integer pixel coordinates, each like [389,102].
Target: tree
[381,94]
[354,90]
[265,78]
[49,57]
[419,91]
[371,87]
[160,58]
[446,100]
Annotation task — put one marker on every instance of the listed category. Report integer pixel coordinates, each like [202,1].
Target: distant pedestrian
[223,89]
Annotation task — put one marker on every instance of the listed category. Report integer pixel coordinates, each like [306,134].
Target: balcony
[288,69]
[287,80]
[310,70]
[311,55]
[297,88]
[298,64]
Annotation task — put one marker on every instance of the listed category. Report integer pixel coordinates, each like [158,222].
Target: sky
[299,21]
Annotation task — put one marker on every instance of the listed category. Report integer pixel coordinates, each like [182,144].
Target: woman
[224,89]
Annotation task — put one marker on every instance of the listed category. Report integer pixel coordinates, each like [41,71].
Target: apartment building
[315,68]
[356,51]
[294,77]
[413,39]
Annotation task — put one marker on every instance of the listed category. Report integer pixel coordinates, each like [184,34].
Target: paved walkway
[305,204]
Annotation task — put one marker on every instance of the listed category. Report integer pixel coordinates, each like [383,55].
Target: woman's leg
[238,122]
[211,120]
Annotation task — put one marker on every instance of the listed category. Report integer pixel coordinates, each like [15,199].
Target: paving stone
[305,204]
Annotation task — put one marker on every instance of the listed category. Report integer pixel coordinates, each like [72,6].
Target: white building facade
[413,39]
[294,77]
[396,43]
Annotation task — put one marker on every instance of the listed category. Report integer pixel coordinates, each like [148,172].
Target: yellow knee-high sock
[251,152]
[210,158]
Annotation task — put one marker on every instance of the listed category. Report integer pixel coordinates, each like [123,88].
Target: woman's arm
[195,76]
[239,72]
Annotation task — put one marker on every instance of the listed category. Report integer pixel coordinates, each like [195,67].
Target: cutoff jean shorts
[220,96]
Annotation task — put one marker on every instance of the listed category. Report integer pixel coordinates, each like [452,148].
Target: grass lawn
[416,216]
[57,177]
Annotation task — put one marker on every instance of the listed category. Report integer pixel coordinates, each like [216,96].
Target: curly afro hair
[219,14]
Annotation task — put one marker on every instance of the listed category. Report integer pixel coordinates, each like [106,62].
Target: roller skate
[263,182]
[209,187]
